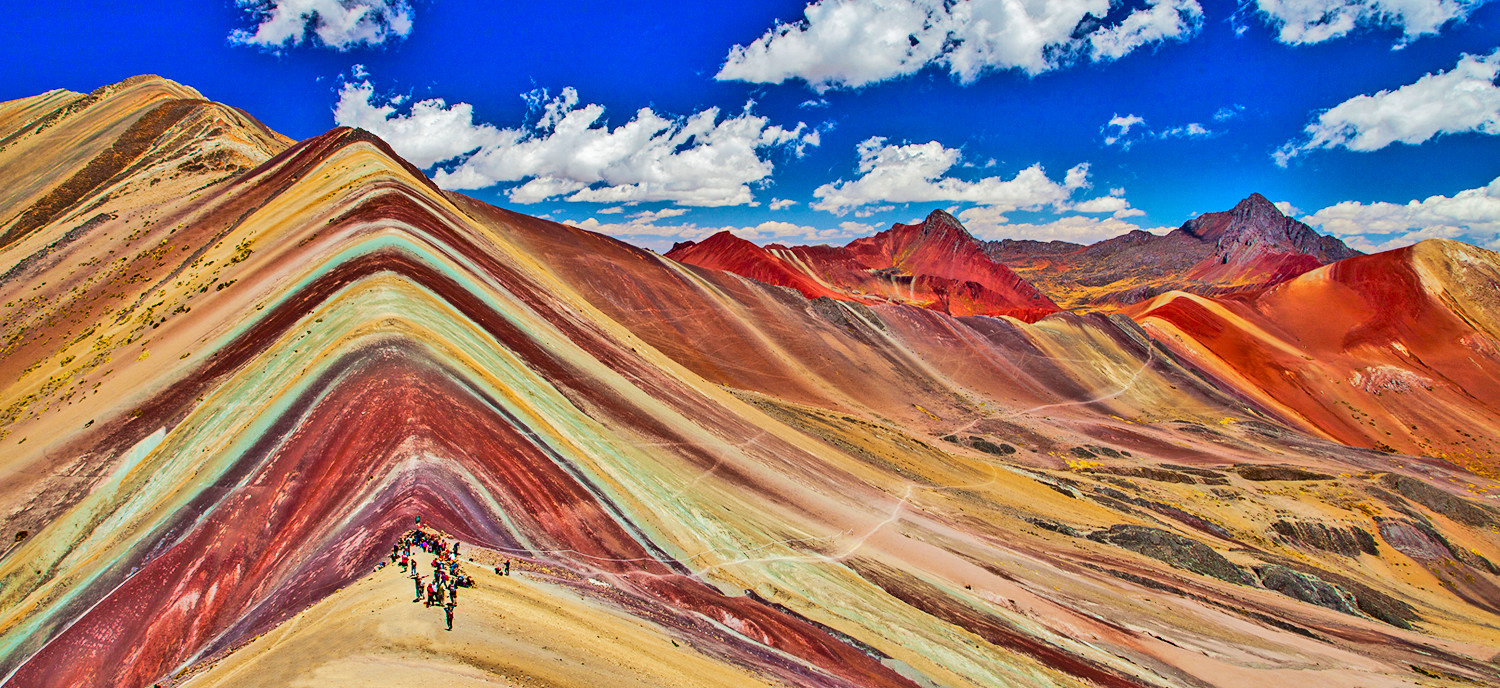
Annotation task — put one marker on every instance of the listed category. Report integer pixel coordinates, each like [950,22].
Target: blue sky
[1372,120]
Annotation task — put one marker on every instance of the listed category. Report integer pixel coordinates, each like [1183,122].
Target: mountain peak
[1255,226]
[1257,203]
[939,222]
[719,243]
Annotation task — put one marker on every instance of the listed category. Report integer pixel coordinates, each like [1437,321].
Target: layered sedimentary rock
[235,369]
[1245,249]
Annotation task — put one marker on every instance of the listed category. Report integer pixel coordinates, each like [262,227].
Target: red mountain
[1368,351]
[936,264]
[1247,248]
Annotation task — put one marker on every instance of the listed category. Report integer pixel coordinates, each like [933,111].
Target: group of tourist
[442,586]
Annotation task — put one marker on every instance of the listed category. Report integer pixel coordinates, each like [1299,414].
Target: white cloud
[1113,204]
[853,43]
[1191,130]
[645,231]
[570,152]
[431,131]
[781,203]
[1287,208]
[1150,24]
[650,216]
[1119,128]
[1471,215]
[988,223]
[1315,21]
[1118,131]
[338,24]
[1228,112]
[916,173]
[1464,99]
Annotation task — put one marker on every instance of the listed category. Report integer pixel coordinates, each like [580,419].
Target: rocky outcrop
[1181,552]
[1350,542]
[1443,502]
[1410,540]
[1307,588]
[1261,473]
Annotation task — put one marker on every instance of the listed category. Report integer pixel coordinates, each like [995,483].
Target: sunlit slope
[292,361]
[510,632]
[1396,351]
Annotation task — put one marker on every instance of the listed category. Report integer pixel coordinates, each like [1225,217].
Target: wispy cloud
[338,24]
[1127,130]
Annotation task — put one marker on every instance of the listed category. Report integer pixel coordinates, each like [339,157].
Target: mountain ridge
[1247,248]
[935,264]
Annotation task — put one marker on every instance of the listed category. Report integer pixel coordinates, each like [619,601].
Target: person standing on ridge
[448,611]
[416,579]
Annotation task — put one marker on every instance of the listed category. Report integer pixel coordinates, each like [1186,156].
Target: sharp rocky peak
[942,222]
[1255,226]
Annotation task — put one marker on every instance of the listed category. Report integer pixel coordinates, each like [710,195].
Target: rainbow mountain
[235,368]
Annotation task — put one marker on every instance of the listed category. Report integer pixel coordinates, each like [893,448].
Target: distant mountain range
[937,264]
[1245,249]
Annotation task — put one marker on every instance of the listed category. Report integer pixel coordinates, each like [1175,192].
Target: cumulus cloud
[1471,215]
[1463,99]
[644,230]
[781,203]
[989,223]
[570,152]
[1127,130]
[337,24]
[1114,204]
[1315,21]
[854,43]
[918,173]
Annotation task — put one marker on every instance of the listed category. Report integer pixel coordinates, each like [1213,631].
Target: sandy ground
[509,631]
